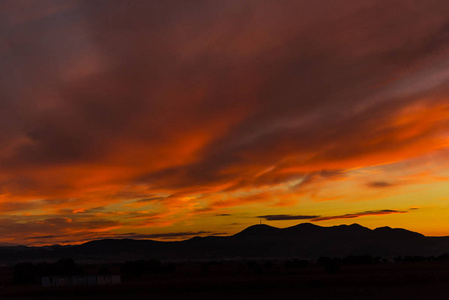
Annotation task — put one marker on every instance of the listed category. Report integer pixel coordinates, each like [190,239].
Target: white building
[81,280]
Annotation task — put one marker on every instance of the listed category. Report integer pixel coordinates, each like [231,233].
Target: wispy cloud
[86,236]
[316,218]
[222,105]
[151,199]
[361,214]
[380,184]
[287,217]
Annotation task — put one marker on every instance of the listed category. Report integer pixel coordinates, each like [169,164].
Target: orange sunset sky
[167,119]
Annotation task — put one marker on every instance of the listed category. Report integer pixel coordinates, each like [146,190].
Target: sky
[168,119]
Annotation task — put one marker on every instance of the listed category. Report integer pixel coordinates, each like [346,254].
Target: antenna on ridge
[260,221]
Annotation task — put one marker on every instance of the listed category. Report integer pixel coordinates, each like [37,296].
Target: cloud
[170,235]
[20,229]
[92,210]
[327,218]
[151,199]
[287,217]
[17,206]
[360,214]
[321,175]
[120,104]
[86,236]
[380,184]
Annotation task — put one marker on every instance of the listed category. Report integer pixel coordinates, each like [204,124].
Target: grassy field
[418,280]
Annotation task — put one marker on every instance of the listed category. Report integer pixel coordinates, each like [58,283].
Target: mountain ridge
[304,240]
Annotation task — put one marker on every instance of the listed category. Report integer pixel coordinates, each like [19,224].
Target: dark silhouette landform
[303,241]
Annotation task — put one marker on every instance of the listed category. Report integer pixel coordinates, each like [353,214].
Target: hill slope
[306,241]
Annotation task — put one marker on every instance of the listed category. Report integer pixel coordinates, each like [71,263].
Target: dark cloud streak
[380,184]
[328,218]
[360,214]
[112,102]
[287,217]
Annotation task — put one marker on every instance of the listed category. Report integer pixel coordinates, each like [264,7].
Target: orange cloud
[360,214]
[202,107]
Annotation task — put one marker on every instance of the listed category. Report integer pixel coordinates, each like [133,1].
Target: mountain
[305,241]
[259,230]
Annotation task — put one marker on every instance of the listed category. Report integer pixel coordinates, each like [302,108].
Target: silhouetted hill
[305,241]
[259,230]
[116,246]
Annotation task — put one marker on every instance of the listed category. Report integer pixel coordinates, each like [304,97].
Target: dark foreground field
[403,280]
